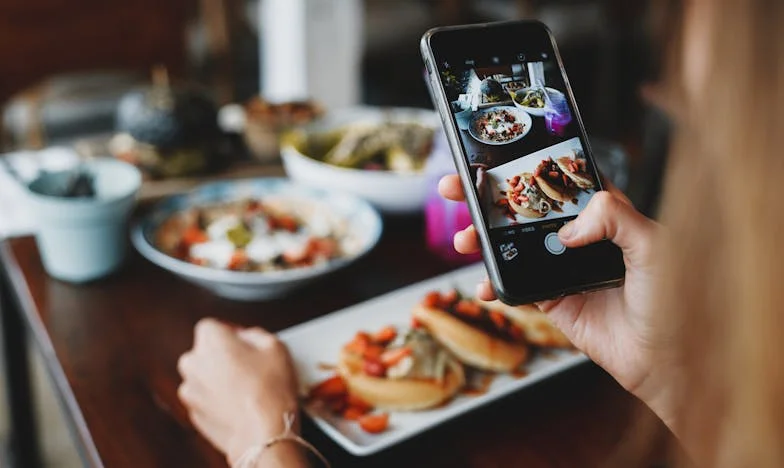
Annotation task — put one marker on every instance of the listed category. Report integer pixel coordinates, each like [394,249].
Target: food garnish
[498,126]
[253,235]
[386,146]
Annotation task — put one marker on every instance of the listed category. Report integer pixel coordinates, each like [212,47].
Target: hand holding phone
[522,155]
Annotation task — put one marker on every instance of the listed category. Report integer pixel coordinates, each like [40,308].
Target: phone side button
[553,244]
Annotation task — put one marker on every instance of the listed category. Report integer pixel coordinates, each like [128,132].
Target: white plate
[520,116]
[319,341]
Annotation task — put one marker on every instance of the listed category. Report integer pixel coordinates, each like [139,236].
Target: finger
[259,338]
[484,291]
[185,364]
[607,217]
[466,241]
[210,330]
[610,187]
[450,188]
[188,395]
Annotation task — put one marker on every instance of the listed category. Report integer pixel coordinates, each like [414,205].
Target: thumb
[608,217]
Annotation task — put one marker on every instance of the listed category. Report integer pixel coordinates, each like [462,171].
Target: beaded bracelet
[250,458]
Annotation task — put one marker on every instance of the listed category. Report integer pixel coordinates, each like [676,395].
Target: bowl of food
[499,125]
[532,100]
[377,154]
[256,239]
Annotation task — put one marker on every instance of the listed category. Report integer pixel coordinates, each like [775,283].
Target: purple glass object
[557,115]
[444,218]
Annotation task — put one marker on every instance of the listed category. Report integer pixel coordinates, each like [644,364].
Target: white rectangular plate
[318,342]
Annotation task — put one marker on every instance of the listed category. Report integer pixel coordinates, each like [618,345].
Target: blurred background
[70,74]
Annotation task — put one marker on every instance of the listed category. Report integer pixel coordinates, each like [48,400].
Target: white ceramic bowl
[535,111]
[364,231]
[390,192]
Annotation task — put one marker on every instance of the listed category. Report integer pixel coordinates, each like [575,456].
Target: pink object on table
[444,218]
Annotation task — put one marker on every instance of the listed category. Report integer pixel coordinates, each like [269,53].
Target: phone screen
[527,156]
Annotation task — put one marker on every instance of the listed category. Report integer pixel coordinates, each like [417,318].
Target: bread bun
[557,194]
[538,328]
[469,344]
[580,178]
[399,394]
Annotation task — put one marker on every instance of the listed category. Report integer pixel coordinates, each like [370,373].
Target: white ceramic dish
[364,231]
[535,111]
[318,342]
[520,117]
[390,192]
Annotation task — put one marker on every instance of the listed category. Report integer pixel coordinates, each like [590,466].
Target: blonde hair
[723,291]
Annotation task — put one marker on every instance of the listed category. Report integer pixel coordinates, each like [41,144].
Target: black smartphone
[522,154]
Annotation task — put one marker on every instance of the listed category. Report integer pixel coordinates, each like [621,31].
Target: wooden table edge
[73,414]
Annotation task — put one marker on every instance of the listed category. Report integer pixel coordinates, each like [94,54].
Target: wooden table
[112,346]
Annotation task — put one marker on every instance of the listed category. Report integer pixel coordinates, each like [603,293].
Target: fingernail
[567,231]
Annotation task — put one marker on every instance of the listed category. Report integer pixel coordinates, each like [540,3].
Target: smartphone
[522,154]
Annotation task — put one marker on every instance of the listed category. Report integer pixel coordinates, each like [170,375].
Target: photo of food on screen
[521,140]
[552,183]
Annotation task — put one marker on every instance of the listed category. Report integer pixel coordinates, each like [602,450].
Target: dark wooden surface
[112,348]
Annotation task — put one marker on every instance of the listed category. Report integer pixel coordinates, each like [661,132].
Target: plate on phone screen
[317,343]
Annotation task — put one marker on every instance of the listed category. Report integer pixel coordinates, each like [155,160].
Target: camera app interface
[522,141]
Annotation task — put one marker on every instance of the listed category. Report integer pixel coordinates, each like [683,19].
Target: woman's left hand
[237,385]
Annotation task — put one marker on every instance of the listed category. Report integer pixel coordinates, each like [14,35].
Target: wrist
[659,391]
[258,426]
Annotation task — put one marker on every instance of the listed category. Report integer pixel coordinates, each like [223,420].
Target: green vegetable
[240,236]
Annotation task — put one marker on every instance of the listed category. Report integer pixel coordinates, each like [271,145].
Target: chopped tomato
[515,180]
[330,389]
[523,198]
[468,308]
[373,352]
[287,222]
[516,332]
[432,299]
[415,323]
[353,413]
[359,344]
[323,247]
[503,201]
[375,368]
[498,319]
[374,423]
[238,260]
[385,335]
[194,235]
[393,356]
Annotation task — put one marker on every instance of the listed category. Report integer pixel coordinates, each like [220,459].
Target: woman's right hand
[614,327]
